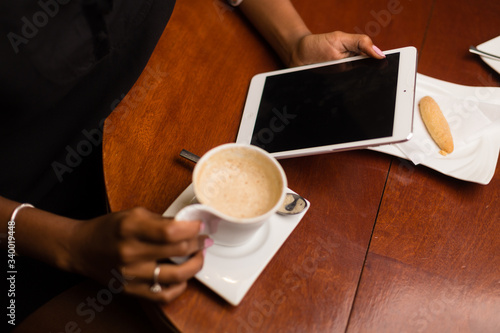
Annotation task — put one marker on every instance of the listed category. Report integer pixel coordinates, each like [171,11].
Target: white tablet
[352,103]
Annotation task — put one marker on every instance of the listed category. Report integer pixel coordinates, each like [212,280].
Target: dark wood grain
[190,96]
[453,27]
[433,263]
[434,259]
[412,249]
[319,265]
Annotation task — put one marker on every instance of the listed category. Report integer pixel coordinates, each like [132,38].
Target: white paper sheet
[474,117]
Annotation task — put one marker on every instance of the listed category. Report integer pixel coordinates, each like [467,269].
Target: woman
[63,65]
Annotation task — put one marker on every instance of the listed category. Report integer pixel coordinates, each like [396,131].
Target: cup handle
[196,212]
[199,212]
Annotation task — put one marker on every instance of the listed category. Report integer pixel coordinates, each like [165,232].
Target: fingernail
[377,50]
[208,242]
[202,227]
[204,252]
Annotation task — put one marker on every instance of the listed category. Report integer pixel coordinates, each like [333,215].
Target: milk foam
[239,183]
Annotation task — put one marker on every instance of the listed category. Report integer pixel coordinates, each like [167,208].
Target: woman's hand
[131,243]
[314,48]
[282,26]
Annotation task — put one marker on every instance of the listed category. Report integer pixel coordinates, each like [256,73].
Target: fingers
[152,227]
[332,46]
[143,251]
[172,278]
[167,294]
[169,272]
[353,44]
[146,236]
[171,292]
[365,45]
[134,241]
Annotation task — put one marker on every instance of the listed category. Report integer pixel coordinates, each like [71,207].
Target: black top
[64,66]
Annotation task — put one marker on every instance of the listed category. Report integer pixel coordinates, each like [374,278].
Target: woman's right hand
[315,48]
[131,243]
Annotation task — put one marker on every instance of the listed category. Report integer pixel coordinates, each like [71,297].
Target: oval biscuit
[436,124]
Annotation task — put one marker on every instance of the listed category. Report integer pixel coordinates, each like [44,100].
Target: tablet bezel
[403,116]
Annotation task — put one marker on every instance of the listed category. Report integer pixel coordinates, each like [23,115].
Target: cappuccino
[239,182]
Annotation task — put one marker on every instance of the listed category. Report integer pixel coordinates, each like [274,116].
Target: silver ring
[156,287]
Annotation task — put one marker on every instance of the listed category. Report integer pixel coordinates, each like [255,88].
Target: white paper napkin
[492,46]
[474,117]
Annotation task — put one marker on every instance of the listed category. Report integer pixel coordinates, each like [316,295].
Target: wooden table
[386,246]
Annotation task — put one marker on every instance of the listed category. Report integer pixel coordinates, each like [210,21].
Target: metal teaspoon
[473,49]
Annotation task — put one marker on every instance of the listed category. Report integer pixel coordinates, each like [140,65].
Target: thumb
[365,45]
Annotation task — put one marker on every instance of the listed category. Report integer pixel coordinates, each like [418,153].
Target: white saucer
[474,117]
[231,271]
[492,46]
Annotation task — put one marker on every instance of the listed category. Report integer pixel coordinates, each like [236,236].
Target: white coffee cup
[238,187]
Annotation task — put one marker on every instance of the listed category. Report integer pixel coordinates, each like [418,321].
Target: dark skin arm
[129,242]
[284,29]
[132,241]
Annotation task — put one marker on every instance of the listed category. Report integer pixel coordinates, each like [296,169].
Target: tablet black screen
[328,105]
